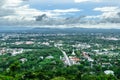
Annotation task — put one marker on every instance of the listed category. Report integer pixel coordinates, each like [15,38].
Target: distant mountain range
[76,30]
[13,28]
[58,30]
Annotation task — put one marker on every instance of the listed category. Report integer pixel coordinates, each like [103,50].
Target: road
[66,57]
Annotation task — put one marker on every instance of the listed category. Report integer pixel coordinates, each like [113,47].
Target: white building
[23,60]
[109,72]
[49,57]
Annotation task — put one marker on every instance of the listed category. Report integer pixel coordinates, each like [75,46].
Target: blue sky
[62,13]
[87,7]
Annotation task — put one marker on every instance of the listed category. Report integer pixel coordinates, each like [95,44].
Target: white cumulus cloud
[110,14]
[17,12]
[66,10]
[109,11]
[79,1]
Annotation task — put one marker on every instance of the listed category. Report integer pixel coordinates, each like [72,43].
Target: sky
[60,13]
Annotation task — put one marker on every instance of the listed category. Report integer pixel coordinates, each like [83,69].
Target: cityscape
[89,53]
